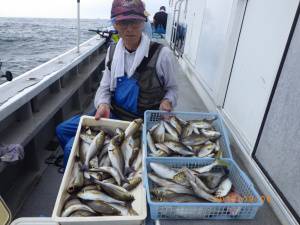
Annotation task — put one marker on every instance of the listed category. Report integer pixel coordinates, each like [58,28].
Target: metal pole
[78,25]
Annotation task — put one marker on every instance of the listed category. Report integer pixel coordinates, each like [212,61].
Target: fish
[82,213]
[105,161]
[176,124]
[162,192]
[190,176]
[162,170]
[77,180]
[203,194]
[133,127]
[116,192]
[94,163]
[201,124]
[133,183]
[179,148]
[94,148]
[116,156]
[211,134]
[102,208]
[127,151]
[159,133]
[94,195]
[88,139]
[83,149]
[68,211]
[212,179]
[187,130]
[125,210]
[177,188]
[224,188]
[209,167]
[163,147]
[207,149]
[137,163]
[171,130]
[193,140]
[113,172]
[169,137]
[151,143]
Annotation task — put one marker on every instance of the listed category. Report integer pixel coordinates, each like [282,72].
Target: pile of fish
[209,183]
[177,137]
[106,170]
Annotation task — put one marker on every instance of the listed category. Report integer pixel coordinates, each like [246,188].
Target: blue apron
[126,94]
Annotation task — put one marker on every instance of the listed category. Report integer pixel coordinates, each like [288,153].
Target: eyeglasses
[126,23]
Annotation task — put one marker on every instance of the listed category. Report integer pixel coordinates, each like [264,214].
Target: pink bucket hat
[127,10]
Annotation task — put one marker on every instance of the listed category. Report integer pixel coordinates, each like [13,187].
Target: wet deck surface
[42,199]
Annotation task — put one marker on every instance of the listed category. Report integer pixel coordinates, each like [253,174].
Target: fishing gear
[109,35]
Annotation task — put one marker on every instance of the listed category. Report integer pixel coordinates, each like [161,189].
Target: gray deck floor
[43,197]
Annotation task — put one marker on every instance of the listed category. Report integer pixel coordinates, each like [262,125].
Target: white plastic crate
[212,211]
[151,117]
[139,205]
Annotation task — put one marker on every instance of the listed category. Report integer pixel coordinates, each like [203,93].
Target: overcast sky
[65,8]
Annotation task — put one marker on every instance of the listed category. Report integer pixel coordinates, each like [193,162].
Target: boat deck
[41,201]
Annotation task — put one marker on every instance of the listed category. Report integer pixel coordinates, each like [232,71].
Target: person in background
[139,74]
[147,26]
[160,20]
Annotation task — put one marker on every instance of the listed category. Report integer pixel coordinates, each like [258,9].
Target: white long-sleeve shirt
[165,68]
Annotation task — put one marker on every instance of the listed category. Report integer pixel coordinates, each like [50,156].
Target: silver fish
[84,148]
[103,208]
[212,179]
[127,151]
[187,130]
[112,171]
[125,210]
[94,148]
[159,133]
[82,213]
[171,130]
[179,148]
[77,179]
[94,195]
[206,150]
[209,167]
[116,156]
[133,127]
[116,192]
[170,185]
[224,188]
[133,183]
[137,163]
[202,194]
[176,124]
[163,147]
[201,124]
[211,134]
[194,140]
[162,170]
[198,181]
[68,211]
[151,143]
[88,139]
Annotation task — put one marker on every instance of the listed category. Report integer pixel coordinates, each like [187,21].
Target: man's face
[130,30]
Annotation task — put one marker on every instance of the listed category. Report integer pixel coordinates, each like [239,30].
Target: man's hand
[103,111]
[165,105]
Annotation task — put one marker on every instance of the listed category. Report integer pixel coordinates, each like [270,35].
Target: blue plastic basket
[212,211]
[152,116]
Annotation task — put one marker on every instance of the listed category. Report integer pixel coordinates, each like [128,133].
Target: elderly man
[138,76]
